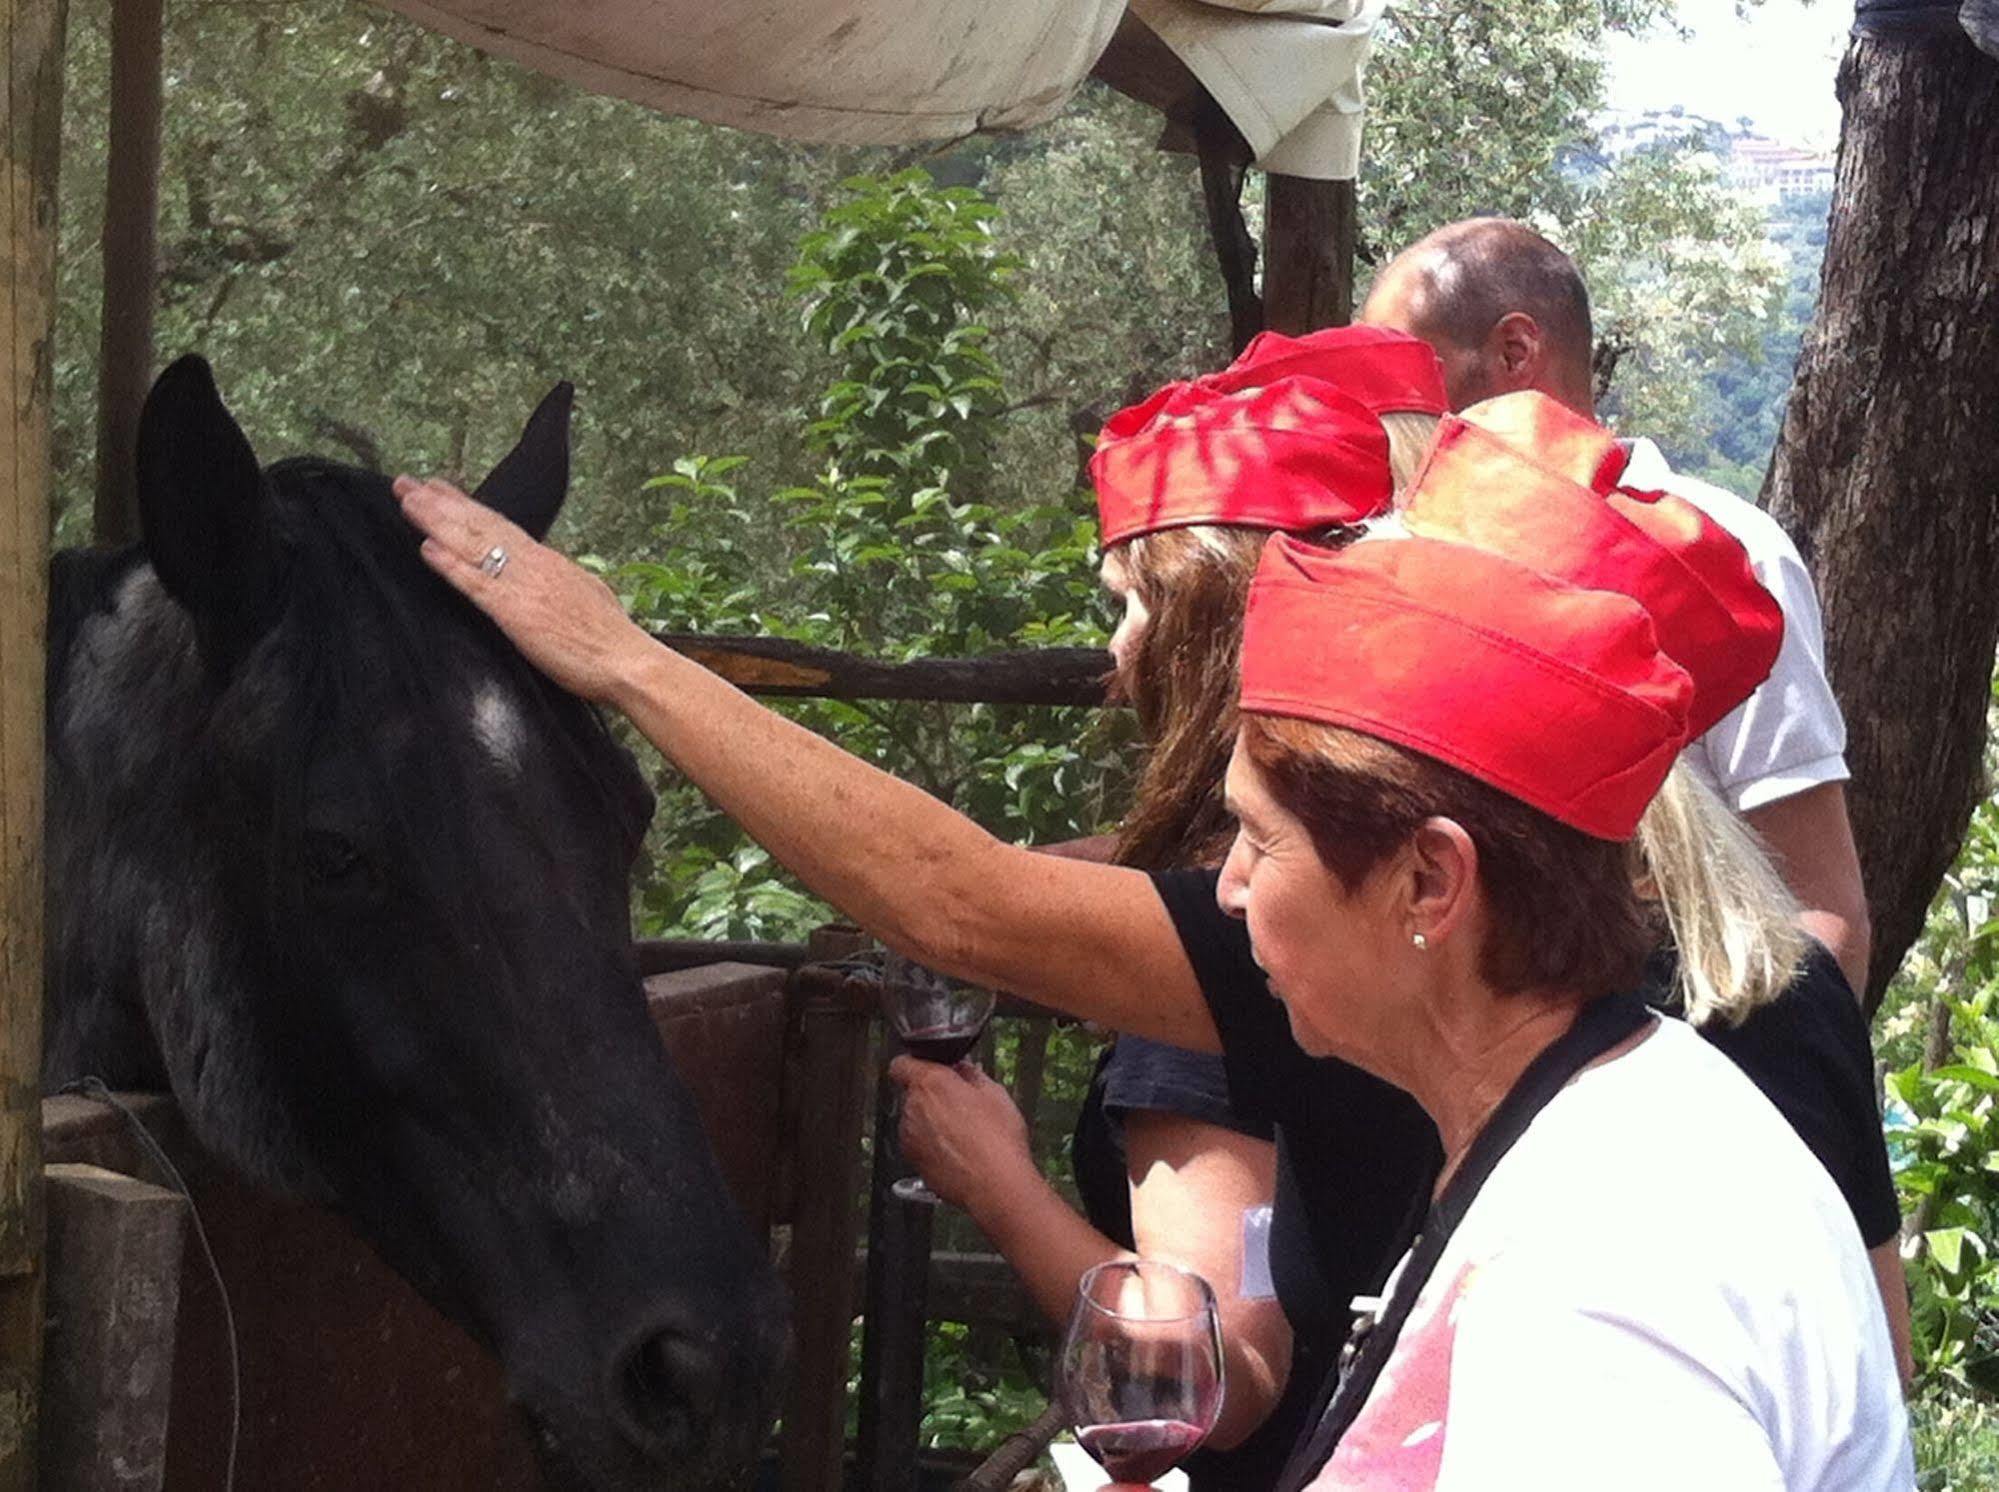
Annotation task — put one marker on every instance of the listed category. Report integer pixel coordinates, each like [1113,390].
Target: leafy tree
[390,245]
[1485,109]
[895,547]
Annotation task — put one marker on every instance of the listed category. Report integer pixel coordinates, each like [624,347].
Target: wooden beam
[1141,66]
[776,666]
[131,260]
[34,70]
[114,1306]
[890,1421]
[1309,232]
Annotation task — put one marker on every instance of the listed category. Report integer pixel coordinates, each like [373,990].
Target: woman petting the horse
[1166,1163]
[1144,953]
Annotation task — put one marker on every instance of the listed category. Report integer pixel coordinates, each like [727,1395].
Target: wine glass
[1141,1370]
[936,1018]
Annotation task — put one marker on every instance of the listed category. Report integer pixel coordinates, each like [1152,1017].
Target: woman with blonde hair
[1746,974]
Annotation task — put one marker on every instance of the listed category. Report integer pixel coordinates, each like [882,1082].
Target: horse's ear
[204,513]
[532,479]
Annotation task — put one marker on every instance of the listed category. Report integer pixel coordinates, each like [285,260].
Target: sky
[1776,65]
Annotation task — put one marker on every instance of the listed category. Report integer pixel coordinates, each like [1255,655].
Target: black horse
[328,859]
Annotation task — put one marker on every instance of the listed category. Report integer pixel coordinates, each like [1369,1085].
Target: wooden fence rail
[777,666]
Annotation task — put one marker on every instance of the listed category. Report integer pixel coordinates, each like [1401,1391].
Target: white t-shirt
[1789,735]
[1658,1287]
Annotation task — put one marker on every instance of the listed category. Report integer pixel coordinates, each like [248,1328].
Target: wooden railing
[906,1285]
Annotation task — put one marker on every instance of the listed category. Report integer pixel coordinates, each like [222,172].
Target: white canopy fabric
[862,72]
[877,72]
[1288,72]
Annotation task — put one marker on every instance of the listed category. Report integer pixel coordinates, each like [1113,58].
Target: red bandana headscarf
[1294,454]
[1528,478]
[1388,371]
[1287,437]
[1555,694]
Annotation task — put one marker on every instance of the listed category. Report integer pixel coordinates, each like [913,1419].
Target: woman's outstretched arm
[1090,940]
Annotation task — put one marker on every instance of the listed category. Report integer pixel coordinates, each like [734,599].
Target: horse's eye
[330,858]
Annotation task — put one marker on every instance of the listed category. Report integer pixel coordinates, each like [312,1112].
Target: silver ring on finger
[493,562]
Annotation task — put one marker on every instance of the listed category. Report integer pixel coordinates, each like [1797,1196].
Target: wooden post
[34,60]
[1309,232]
[131,260]
[114,1262]
[826,1105]
[1224,157]
[892,1338]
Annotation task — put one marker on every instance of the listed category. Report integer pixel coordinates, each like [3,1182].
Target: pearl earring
[1422,943]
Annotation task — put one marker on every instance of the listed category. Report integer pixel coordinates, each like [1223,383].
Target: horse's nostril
[665,1392]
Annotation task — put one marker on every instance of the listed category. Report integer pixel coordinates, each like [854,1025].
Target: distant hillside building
[1763,165]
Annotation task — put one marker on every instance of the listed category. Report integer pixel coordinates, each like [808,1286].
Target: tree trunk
[1885,472]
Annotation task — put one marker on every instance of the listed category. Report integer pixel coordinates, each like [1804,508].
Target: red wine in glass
[1143,1450]
[940,1046]
[1141,1367]
[936,1018]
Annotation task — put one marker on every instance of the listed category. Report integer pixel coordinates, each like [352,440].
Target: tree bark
[131,261]
[1885,472]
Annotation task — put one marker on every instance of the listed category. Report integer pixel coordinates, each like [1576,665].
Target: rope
[94,1087]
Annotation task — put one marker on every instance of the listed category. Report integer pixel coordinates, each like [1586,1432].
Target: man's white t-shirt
[1658,1287]
[1789,735]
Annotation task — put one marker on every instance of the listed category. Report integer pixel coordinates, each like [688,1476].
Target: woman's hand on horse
[562,618]
[961,1131]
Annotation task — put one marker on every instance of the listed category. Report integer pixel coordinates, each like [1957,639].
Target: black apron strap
[1600,1025]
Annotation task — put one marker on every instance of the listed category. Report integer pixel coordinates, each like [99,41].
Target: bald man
[1507,310]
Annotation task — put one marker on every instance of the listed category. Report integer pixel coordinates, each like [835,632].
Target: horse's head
[404,860]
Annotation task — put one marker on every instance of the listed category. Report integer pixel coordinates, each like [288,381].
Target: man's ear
[1518,350]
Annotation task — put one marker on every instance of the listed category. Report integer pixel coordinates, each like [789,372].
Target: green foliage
[1733,422]
[895,548]
[1957,1442]
[1486,109]
[968,1410]
[895,287]
[390,243]
[1947,1142]
[1941,1030]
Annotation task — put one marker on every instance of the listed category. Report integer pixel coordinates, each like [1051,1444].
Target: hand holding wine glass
[963,1133]
[937,1019]
[1141,1370]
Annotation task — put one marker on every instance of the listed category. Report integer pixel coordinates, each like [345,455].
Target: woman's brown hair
[1566,914]
[1183,684]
